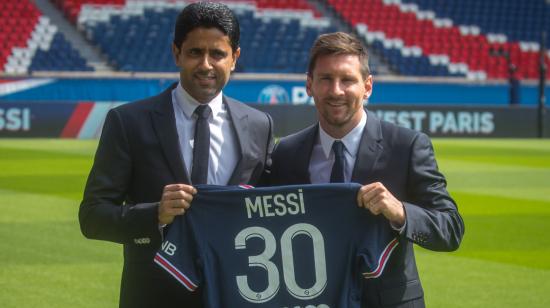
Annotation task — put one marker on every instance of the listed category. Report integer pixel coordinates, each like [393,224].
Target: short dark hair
[207,15]
[338,43]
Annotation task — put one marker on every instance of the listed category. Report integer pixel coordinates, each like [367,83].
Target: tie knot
[338,148]
[203,111]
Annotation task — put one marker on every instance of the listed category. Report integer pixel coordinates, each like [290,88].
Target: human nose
[337,88]
[205,62]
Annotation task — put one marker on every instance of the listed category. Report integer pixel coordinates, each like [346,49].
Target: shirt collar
[351,140]
[188,104]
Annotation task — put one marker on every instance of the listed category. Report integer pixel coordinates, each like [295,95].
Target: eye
[349,80]
[194,52]
[218,54]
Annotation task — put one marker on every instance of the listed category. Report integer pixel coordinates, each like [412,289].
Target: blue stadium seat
[142,43]
[61,56]
[519,20]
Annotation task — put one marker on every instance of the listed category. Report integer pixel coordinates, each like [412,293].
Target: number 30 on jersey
[263,261]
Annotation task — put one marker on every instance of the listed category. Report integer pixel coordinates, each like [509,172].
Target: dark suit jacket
[138,154]
[403,160]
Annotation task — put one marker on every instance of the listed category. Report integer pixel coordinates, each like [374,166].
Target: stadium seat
[276,34]
[437,30]
[518,20]
[61,56]
[32,43]
[16,24]
[72,8]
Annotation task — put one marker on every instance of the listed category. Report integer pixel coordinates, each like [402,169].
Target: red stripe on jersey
[383,259]
[187,283]
[246,186]
[77,119]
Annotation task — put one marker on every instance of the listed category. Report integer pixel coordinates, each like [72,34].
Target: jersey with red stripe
[285,246]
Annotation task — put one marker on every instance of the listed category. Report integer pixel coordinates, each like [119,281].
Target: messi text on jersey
[275,205]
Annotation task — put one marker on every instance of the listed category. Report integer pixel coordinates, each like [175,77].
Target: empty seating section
[416,37]
[17,20]
[138,37]
[61,56]
[278,45]
[283,4]
[464,49]
[137,43]
[71,8]
[518,20]
[29,42]
[409,65]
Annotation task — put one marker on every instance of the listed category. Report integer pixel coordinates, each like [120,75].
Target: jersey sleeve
[375,263]
[177,254]
[378,242]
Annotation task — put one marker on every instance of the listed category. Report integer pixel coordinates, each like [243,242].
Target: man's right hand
[176,199]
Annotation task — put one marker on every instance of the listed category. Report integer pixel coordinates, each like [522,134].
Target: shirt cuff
[399,229]
[161,231]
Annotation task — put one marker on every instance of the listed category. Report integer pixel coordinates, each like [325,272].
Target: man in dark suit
[396,165]
[152,151]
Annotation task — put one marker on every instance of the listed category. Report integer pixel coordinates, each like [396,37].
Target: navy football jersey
[285,246]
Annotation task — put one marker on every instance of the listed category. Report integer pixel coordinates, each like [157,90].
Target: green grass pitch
[502,188]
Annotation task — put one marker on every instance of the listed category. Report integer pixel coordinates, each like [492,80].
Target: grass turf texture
[502,188]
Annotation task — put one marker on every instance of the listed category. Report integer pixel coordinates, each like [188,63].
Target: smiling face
[205,59]
[339,89]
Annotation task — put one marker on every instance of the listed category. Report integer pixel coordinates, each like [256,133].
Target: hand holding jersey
[398,166]
[282,246]
[146,153]
[340,83]
[379,200]
[176,199]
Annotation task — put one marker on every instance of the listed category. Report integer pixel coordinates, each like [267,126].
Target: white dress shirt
[222,135]
[322,157]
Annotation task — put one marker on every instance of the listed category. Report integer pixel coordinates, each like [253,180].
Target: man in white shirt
[152,151]
[396,166]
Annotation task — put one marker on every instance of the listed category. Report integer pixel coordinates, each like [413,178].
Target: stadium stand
[422,38]
[521,21]
[284,4]
[61,56]
[71,8]
[276,35]
[20,18]
[454,38]
[32,42]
